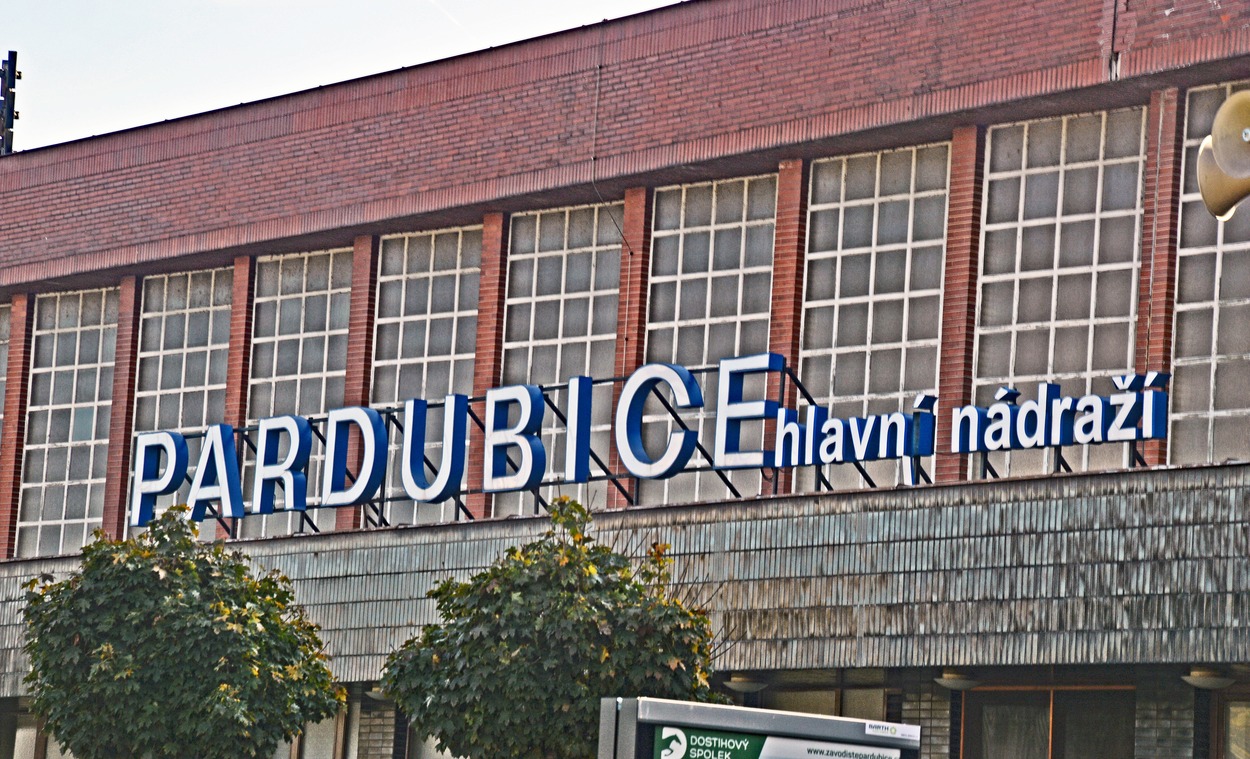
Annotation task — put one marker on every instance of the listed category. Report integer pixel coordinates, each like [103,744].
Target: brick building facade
[898,198]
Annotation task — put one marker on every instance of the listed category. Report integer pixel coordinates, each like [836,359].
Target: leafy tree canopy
[528,647]
[163,646]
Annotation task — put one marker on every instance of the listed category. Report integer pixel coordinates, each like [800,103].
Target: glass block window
[873,291]
[1211,345]
[426,333]
[1060,252]
[563,281]
[184,339]
[299,356]
[67,421]
[711,291]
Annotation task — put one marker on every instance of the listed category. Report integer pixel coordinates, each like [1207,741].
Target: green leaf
[162,642]
[536,639]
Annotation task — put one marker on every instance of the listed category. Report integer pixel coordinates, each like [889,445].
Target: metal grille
[1211,345]
[876,240]
[564,271]
[184,339]
[710,296]
[1060,255]
[425,336]
[67,421]
[299,355]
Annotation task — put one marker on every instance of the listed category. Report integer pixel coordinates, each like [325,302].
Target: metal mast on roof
[8,104]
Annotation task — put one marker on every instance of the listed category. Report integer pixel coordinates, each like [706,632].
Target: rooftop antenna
[8,102]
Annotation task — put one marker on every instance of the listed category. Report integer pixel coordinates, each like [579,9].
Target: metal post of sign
[698,444]
[656,728]
[1061,464]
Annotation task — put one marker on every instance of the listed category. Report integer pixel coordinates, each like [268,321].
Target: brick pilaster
[17,374]
[121,413]
[488,361]
[786,315]
[1156,290]
[239,355]
[358,384]
[959,293]
[239,372]
[631,311]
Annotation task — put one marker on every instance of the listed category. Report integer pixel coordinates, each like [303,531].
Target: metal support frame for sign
[539,501]
[656,728]
[1061,464]
[595,457]
[229,526]
[698,445]
[377,505]
[594,467]
[987,469]
[822,481]
[1135,457]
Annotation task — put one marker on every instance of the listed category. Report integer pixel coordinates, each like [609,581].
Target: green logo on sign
[671,743]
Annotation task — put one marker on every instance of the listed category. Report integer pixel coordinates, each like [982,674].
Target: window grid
[710,297]
[1211,347]
[184,339]
[299,355]
[425,338]
[563,284]
[872,307]
[1060,256]
[71,387]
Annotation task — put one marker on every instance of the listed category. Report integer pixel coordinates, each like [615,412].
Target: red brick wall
[631,313]
[21,342]
[1165,127]
[488,363]
[121,419]
[358,383]
[959,293]
[239,373]
[698,82]
[786,315]
[239,354]
[1156,35]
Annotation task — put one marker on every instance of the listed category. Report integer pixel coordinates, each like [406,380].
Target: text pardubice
[515,458]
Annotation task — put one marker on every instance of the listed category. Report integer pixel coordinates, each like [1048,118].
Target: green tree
[527,647]
[163,646]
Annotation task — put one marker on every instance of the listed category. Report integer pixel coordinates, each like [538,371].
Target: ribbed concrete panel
[1132,567]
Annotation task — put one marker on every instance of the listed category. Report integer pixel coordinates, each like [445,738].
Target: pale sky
[96,66]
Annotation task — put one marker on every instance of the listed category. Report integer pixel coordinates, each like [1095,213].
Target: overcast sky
[96,66]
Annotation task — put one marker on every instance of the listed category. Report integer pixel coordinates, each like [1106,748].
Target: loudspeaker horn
[1220,192]
[1230,135]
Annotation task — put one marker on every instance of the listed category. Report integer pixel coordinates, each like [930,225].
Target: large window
[1059,261]
[711,291]
[1234,727]
[1049,724]
[873,291]
[299,355]
[1211,349]
[67,421]
[184,338]
[426,333]
[563,275]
